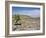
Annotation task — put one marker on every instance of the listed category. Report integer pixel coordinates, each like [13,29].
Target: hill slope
[27,23]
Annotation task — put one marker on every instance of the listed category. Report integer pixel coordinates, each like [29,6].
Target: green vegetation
[17,18]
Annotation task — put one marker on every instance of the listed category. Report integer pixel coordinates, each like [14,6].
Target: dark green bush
[17,18]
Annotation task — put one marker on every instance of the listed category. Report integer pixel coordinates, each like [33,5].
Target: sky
[30,11]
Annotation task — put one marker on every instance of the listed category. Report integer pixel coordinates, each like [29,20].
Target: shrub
[17,18]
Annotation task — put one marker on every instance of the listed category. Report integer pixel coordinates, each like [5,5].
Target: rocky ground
[27,23]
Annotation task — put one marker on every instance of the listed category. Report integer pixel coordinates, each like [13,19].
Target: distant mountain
[27,16]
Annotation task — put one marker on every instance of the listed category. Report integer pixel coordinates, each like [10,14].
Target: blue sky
[34,12]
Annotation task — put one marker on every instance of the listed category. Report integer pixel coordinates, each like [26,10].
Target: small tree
[17,18]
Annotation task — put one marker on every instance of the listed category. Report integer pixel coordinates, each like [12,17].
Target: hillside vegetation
[27,23]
